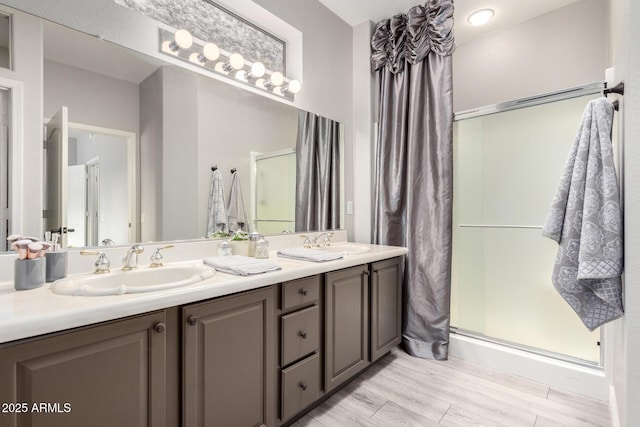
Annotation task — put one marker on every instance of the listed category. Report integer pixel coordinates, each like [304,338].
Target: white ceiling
[508,12]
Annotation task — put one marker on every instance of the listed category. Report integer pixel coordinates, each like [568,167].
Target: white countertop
[39,311]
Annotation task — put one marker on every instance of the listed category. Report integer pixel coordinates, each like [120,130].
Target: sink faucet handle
[102,263]
[156,257]
[307,241]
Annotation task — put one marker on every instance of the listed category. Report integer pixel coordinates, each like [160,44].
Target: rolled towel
[305,254]
[241,265]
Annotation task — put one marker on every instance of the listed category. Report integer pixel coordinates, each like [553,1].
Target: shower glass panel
[507,166]
[275,193]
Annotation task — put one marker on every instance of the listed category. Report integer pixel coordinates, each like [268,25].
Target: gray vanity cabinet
[113,374]
[229,361]
[300,345]
[386,306]
[346,323]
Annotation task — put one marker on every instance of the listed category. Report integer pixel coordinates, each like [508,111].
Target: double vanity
[224,350]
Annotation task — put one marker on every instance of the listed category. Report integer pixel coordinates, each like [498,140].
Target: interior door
[57,160]
[77,207]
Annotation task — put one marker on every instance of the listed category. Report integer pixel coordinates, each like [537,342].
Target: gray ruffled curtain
[414,165]
[317,173]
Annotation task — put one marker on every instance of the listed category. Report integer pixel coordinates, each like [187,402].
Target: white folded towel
[305,254]
[241,265]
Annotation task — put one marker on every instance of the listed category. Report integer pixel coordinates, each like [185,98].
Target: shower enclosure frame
[573,92]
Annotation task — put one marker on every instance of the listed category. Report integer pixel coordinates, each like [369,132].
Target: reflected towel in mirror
[217,216]
[236,213]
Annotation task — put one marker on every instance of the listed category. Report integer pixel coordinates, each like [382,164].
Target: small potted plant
[240,243]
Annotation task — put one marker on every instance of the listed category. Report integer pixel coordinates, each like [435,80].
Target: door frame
[132,162]
[16,153]
[132,176]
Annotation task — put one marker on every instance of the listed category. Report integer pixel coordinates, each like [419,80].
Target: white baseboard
[590,382]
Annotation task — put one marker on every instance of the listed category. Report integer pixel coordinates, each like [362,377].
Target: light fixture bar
[208,56]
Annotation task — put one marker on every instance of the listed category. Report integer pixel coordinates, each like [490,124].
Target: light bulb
[276,79]
[236,61]
[210,52]
[293,87]
[480,17]
[182,39]
[257,70]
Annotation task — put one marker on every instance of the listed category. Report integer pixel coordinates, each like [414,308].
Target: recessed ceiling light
[480,17]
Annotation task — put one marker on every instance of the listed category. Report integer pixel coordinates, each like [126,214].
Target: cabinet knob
[159,327]
[302,291]
[303,386]
[365,272]
[303,335]
[192,320]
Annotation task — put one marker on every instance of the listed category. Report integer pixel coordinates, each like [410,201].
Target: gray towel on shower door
[586,220]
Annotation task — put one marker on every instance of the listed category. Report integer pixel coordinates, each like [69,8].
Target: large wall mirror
[131,143]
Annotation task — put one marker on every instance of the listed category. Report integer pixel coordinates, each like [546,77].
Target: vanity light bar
[183,46]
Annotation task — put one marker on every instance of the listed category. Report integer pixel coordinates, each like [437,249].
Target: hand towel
[236,214]
[305,254]
[241,265]
[586,220]
[217,217]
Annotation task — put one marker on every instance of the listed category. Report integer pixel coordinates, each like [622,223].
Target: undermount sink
[143,279]
[346,248]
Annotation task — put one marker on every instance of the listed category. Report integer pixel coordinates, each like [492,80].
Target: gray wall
[151,157]
[93,99]
[561,49]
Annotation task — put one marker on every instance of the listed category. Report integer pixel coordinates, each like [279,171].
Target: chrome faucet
[102,264]
[130,261]
[157,258]
[326,239]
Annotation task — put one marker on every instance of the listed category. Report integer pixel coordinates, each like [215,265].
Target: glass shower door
[507,167]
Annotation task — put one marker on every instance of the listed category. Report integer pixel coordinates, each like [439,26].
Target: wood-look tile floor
[401,390]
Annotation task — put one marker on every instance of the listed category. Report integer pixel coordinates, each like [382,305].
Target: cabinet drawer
[300,386]
[299,292]
[300,334]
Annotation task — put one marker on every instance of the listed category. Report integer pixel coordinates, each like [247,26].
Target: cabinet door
[347,324]
[107,375]
[386,306]
[229,361]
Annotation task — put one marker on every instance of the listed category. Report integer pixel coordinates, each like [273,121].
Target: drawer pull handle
[159,328]
[192,320]
[302,291]
[303,386]
[303,335]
